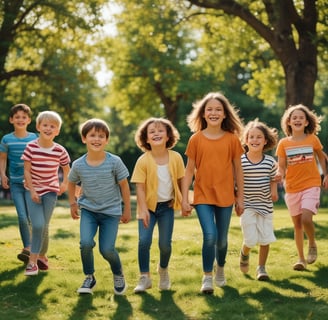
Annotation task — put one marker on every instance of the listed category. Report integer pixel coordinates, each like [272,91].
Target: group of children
[226,163]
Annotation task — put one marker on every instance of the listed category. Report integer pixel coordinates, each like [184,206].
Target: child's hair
[51,116]
[140,137]
[270,134]
[97,124]
[231,123]
[311,117]
[20,107]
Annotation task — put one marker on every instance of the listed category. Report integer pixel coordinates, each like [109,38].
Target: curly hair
[140,137]
[270,134]
[313,120]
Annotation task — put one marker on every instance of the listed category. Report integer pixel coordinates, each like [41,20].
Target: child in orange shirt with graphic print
[214,157]
[297,155]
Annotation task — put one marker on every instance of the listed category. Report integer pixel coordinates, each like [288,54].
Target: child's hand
[62,188]
[144,216]
[75,211]
[278,177]
[126,216]
[186,209]
[5,182]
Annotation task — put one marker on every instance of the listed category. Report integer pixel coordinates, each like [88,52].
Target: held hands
[75,211]
[186,209]
[239,206]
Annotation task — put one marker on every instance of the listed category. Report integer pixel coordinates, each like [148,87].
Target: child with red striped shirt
[42,159]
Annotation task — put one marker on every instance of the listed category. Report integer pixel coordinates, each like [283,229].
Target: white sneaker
[207,285]
[143,285]
[164,279]
[220,280]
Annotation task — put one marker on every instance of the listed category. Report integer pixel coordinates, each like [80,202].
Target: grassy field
[52,295]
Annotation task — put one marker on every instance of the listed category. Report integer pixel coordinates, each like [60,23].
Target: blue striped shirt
[257,178]
[100,189]
[14,147]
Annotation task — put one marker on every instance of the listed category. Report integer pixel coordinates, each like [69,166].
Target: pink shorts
[307,199]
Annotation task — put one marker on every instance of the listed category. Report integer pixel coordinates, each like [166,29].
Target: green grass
[52,295]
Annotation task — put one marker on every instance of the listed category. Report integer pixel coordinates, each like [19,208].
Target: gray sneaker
[207,285]
[143,284]
[164,279]
[220,280]
[261,274]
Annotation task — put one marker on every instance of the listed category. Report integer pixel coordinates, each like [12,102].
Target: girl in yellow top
[297,159]
[157,174]
[214,156]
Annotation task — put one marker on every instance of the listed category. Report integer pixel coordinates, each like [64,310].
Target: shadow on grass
[22,300]
[83,307]
[164,308]
[7,220]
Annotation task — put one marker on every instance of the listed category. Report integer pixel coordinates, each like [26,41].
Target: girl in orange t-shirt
[214,152]
[298,154]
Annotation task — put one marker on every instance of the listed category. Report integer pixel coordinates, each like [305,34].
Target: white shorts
[256,228]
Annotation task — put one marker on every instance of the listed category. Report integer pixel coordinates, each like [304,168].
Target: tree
[48,60]
[290,28]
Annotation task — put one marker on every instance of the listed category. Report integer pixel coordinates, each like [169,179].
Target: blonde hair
[311,117]
[231,123]
[52,116]
[140,137]
[270,134]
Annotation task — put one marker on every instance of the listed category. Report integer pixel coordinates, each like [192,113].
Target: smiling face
[20,120]
[214,113]
[95,140]
[157,135]
[298,121]
[48,129]
[255,140]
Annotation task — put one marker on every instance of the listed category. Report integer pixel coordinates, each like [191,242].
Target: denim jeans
[108,228]
[19,195]
[40,215]
[164,217]
[215,222]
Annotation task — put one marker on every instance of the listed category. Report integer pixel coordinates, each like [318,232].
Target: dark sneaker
[43,263]
[24,256]
[261,274]
[31,269]
[88,284]
[119,284]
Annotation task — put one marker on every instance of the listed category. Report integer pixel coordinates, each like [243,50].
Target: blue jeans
[108,228]
[164,217]
[215,222]
[19,195]
[40,215]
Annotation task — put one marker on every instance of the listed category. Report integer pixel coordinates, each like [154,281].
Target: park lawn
[52,295]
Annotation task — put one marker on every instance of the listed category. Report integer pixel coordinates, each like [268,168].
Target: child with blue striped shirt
[11,149]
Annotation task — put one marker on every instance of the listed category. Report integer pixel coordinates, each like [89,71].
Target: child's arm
[72,200]
[125,192]
[28,181]
[239,179]
[185,185]
[323,163]
[143,212]
[281,170]
[274,191]
[3,167]
[63,185]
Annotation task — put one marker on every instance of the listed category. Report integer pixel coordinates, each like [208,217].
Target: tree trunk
[291,36]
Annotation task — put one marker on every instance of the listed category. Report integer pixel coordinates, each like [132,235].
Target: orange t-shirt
[214,176]
[301,166]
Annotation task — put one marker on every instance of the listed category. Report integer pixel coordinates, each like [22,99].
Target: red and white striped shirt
[45,163]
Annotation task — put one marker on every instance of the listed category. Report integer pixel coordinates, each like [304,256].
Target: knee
[87,245]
